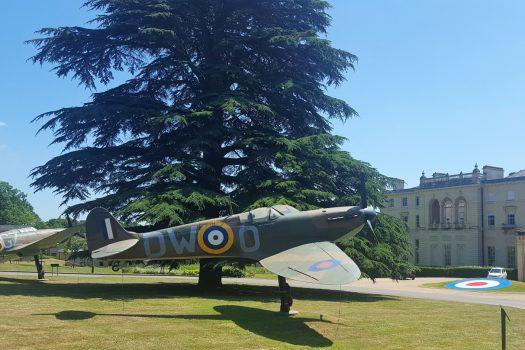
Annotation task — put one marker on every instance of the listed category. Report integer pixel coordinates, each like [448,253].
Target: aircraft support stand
[286,297]
[39,268]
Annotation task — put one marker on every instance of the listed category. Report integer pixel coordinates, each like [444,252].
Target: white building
[464,219]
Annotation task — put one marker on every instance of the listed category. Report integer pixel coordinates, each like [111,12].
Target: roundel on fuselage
[215,238]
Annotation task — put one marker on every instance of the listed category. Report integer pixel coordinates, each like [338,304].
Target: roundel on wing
[216,238]
[324,265]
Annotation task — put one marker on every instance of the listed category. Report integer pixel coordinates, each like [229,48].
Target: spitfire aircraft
[290,243]
[29,241]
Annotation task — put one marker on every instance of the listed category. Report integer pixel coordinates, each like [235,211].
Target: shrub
[183,270]
[232,271]
[460,271]
[186,270]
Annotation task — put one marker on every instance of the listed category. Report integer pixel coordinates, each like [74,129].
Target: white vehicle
[497,272]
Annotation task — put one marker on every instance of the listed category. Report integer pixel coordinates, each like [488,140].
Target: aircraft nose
[368,214]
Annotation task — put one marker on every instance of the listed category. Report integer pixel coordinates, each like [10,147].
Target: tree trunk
[210,274]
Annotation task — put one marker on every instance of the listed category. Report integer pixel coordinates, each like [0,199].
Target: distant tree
[14,207]
[56,223]
[227,106]
[75,244]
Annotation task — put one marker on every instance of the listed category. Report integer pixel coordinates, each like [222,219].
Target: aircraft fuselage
[254,235]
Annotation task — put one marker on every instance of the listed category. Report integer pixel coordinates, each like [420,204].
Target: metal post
[504,318]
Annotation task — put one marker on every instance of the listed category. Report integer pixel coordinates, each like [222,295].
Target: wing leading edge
[58,236]
[322,263]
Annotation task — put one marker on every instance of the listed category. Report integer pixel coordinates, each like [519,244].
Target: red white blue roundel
[324,265]
[479,284]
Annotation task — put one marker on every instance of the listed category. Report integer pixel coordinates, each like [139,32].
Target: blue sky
[439,86]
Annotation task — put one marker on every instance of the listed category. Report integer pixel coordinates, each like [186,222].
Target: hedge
[460,271]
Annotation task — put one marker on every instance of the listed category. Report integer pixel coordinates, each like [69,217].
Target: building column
[520,255]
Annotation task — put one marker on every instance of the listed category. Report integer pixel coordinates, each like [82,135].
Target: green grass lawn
[29,266]
[104,313]
[516,287]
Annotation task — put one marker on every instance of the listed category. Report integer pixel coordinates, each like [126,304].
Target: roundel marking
[324,265]
[476,284]
[479,284]
[215,238]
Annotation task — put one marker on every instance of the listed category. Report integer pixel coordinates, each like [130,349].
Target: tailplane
[103,230]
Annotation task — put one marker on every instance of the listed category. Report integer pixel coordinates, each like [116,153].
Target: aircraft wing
[57,237]
[322,263]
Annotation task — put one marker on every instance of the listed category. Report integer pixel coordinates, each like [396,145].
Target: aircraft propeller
[369,215]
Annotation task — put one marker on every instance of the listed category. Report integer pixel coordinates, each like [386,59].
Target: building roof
[446,180]
[520,173]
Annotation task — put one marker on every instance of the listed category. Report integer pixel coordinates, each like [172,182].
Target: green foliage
[383,253]
[233,271]
[460,271]
[14,207]
[75,244]
[56,223]
[185,270]
[227,107]
[211,114]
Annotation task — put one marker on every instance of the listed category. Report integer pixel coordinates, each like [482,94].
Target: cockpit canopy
[267,214]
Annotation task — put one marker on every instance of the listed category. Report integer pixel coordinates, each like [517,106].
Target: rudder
[103,229]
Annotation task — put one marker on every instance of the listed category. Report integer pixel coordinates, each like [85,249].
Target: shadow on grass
[153,290]
[270,325]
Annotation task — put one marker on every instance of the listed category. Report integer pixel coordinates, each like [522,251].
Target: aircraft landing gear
[39,268]
[286,297]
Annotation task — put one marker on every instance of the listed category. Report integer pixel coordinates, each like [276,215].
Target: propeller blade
[370,226]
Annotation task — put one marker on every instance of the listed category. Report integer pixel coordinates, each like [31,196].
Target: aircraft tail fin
[103,230]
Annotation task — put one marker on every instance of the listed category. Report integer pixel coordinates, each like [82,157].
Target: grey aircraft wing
[322,263]
[57,236]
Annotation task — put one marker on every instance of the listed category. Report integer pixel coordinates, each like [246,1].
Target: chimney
[492,172]
[398,184]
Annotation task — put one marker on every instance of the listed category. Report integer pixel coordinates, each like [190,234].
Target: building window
[511,195]
[447,253]
[417,222]
[511,219]
[447,211]
[416,251]
[417,202]
[492,197]
[461,218]
[405,218]
[492,220]
[511,257]
[434,212]
[391,202]
[405,202]
[491,256]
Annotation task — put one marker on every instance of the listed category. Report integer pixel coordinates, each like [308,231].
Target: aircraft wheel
[115,267]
